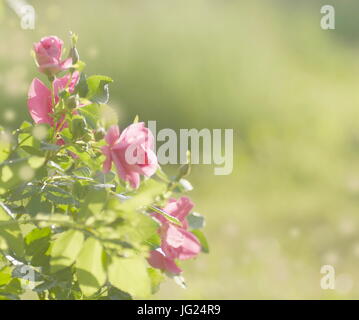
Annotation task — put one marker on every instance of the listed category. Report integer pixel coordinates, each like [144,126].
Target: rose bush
[85,210]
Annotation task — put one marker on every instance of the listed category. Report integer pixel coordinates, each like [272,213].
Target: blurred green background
[264,68]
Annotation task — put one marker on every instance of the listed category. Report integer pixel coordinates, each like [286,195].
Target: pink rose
[48,55]
[159,261]
[39,97]
[177,242]
[131,152]
[179,209]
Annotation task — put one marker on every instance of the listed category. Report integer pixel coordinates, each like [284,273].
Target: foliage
[67,229]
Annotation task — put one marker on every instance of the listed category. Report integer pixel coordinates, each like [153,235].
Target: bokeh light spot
[26,173]
[40,132]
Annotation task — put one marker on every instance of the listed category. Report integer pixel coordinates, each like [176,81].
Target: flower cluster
[131,152]
[103,220]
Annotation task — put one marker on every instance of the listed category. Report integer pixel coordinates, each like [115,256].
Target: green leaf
[104,177]
[202,239]
[130,275]
[66,249]
[116,294]
[66,135]
[82,87]
[166,215]
[32,151]
[12,289]
[25,139]
[37,244]
[143,197]
[78,127]
[195,220]
[45,286]
[26,127]
[49,146]
[80,191]
[93,203]
[10,232]
[59,196]
[91,113]
[98,88]
[37,240]
[154,241]
[5,275]
[156,277]
[36,206]
[60,199]
[82,171]
[89,268]
[23,192]
[145,227]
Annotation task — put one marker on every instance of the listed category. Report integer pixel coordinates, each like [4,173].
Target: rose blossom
[48,53]
[177,242]
[39,97]
[131,152]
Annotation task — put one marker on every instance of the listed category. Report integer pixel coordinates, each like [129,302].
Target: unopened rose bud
[74,54]
[100,134]
[185,170]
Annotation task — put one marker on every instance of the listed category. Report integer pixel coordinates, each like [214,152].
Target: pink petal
[125,171]
[191,246]
[160,261]
[66,64]
[151,166]
[52,45]
[48,54]
[133,142]
[138,134]
[39,102]
[112,135]
[180,243]
[118,164]
[61,83]
[173,236]
[134,179]
[180,208]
